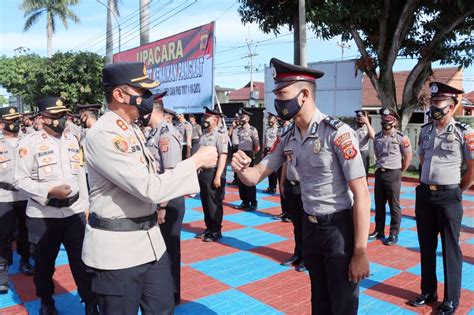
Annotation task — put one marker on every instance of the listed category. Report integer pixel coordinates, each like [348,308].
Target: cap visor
[145,84]
[57,110]
[282,85]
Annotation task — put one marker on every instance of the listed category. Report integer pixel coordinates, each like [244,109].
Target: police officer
[393,153]
[197,132]
[186,131]
[212,179]
[122,242]
[165,146]
[364,132]
[250,145]
[291,190]
[444,145]
[12,203]
[49,170]
[169,116]
[234,138]
[326,155]
[269,138]
[285,215]
[26,119]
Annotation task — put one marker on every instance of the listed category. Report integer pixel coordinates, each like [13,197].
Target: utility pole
[144,22]
[250,66]
[303,61]
[343,46]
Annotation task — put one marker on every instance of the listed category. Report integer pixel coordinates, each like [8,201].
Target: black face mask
[438,113]
[13,127]
[287,109]
[144,120]
[57,124]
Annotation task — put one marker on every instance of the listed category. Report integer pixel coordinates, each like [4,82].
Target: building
[244,95]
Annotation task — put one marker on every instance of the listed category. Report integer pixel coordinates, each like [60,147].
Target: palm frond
[32,19]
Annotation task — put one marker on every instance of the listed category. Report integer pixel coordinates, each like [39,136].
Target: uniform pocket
[46,166]
[319,160]
[447,146]
[108,287]
[5,164]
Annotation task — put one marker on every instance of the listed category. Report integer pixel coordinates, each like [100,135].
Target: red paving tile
[14,310]
[200,226]
[196,250]
[284,229]
[393,256]
[277,252]
[288,292]
[197,285]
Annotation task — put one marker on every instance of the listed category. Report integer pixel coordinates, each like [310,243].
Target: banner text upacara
[162,53]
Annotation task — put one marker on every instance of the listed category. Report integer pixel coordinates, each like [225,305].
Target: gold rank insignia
[317,146]
[59,103]
[12,111]
[121,124]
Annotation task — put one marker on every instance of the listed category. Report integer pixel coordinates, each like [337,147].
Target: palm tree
[34,9]
[144,22]
[109,41]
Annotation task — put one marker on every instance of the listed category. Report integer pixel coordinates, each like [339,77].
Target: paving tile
[248,238]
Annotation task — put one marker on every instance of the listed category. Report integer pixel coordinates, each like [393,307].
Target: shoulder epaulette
[462,125]
[400,134]
[333,122]
[287,129]
[378,133]
[253,128]
[427,124]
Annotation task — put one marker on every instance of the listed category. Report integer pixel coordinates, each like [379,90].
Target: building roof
[244,93]
[469,97]
[444,75]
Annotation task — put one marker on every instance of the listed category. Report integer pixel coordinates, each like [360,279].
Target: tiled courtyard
[242,275]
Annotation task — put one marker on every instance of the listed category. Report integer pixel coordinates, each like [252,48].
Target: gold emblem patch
[22,152]
[120,144]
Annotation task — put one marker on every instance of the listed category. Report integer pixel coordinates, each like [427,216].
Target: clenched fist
[240,161]
[205,157]
[60,192]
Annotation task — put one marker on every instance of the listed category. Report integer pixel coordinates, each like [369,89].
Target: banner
[184,65]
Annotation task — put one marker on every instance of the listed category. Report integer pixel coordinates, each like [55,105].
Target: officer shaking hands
[123,243]
[443,146]
[325,154]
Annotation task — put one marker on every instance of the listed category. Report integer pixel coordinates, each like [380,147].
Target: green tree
[3,100]
[74,76]
[34,9]
[424,30]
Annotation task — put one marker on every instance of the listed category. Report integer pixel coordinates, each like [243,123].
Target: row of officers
[101,191]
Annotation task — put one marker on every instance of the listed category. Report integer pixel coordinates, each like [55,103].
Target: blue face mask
[287,109]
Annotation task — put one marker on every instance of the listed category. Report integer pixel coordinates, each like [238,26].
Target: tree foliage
[74,76]
[384,30]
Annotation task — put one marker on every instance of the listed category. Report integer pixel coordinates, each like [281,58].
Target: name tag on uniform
[317,146]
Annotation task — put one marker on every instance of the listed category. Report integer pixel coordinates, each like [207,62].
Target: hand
[59,192]
[240,161]
[364,119]
[205,157]
[217,182]
[359,267]
[161,216]
[86,213]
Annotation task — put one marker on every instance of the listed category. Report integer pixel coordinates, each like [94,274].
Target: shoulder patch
[120,144]
[462,125]
[333,122]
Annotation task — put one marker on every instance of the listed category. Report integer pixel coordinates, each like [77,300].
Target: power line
[226,10]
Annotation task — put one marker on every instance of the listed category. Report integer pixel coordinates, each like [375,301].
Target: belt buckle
[382,170]
[293,183]
[313,219]
[433,187]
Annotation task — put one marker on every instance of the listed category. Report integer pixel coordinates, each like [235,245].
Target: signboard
[183,63]
[338,92]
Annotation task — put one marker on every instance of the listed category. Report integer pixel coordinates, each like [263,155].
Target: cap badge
[434,89]
[274,72]
[386,111]
[59,103]
[12,111]
[144,70]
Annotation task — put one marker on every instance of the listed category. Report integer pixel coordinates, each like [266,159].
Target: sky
[231,35]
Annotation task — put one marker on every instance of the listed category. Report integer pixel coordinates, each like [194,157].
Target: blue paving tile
[409,196]
[470,241]
[239,269]
[467,222]
[62,257]
[378,273]
[192,216]
[468,197]
[67,303]
[227,302]
[193,202]
[9,299]
[408,238]
[371,305]
[407,223]
[467,272]
[248,238]
[186,235]
[250,218]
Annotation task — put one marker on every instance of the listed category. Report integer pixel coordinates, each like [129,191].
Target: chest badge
[317,146]
[450,137]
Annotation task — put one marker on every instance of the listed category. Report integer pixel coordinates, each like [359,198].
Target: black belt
[326,219]
[7,186]
[383,170]
[294,182]
[62,203]
[124,224]
[439,187]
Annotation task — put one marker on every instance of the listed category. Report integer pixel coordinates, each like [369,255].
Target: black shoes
[253,206]
[300,267]
[293,260]
[48,309]
[202,235]
[376,236]
[447,307]
[242,206]
[26,268]
[423,298]
[391,240]
[91,309]
[269,190]
[213,237]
